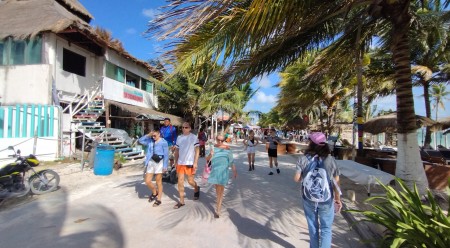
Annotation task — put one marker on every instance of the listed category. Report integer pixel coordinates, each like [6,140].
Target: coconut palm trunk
[426,95]
[409,164]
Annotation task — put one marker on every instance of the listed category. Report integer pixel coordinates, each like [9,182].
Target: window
[147,86]
[132,80]
[2,53]
[74,63]
[115,72]
[21,52]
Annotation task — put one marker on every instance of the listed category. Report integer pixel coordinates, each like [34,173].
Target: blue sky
[127,20]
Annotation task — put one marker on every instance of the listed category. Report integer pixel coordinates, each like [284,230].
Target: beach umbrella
[388,123]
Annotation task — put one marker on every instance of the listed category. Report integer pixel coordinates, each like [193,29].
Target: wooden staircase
[85,120]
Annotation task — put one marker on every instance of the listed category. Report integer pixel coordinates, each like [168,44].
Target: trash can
[104,160]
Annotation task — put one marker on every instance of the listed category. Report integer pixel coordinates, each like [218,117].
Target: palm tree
[260,36]
[439,94]
[429,51]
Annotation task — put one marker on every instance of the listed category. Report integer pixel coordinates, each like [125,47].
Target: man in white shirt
[186,158]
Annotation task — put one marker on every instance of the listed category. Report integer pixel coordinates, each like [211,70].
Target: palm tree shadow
[254,230]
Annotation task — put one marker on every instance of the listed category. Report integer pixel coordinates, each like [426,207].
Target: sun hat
[318,138]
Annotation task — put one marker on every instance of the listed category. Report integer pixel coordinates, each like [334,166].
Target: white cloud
[264,82]
[150,13]
[131,31]
[261,97]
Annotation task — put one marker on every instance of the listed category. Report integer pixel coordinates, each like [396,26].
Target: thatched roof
[149,113]
[444,122]
[388,123]
[22,19]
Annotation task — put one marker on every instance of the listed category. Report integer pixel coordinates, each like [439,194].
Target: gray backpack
[316,183]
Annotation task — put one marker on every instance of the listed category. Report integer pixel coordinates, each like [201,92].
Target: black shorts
[272,153]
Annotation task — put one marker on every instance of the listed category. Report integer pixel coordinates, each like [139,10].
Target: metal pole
[82,152]
[216,126]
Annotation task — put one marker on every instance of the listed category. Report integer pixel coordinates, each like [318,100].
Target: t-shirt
[329,163]
[272,140]
[186,148]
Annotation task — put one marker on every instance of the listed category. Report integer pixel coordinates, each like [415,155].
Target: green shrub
[409,221]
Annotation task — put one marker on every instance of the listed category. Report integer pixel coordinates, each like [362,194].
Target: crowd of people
[316,170]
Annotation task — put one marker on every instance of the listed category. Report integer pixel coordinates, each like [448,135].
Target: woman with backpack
[319,174]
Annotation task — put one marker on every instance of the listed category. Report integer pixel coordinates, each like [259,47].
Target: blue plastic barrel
[104,160]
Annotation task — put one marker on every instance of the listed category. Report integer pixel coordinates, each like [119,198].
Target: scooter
[15,182]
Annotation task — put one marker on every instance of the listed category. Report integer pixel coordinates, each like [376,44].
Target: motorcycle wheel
[15,191]
[44,181]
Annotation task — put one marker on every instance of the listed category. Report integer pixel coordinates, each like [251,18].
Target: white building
[60,78]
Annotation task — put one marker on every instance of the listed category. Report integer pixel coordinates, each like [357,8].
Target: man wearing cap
[169,133]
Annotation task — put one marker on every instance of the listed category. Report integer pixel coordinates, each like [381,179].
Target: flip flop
[178,205]
[152,197]
[157,203]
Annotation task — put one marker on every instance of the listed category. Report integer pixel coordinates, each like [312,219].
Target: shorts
[155,168]
[183,169]
[250,149]
[272,153]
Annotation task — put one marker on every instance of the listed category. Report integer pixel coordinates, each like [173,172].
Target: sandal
[197,194]
[157,203]
[152,197]
[178,205]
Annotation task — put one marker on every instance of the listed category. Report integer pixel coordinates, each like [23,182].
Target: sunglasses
[186,127]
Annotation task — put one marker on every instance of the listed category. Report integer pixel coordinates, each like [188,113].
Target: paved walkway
[91,211]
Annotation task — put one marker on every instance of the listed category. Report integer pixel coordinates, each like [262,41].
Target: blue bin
[104,160]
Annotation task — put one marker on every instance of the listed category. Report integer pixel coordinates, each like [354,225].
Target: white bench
[363,174]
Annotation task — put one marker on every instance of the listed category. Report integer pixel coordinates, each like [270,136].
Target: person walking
[202,138]
[273,142]
[156,161]
[319,173]
[186,160]
[169,133]
[251,143]
[221,160]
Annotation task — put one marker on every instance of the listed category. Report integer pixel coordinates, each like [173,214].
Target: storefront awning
[142,113]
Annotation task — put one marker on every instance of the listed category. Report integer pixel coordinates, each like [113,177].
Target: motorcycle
[15,182]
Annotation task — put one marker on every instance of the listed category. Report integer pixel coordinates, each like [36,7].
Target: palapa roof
[26,18]
[444,122]
[388,123]
[22,19]
[142,112]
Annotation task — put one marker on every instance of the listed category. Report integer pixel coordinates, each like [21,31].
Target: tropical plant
[409,221]
[439,95]
[429,51]
[257,37]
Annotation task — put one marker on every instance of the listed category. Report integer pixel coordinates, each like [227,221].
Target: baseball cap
[318,138]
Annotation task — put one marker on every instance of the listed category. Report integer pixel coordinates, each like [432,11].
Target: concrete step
[92,123]
[128,154]
[135,157]
[120,146]
[113,142]
[127,149]
[91,127]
